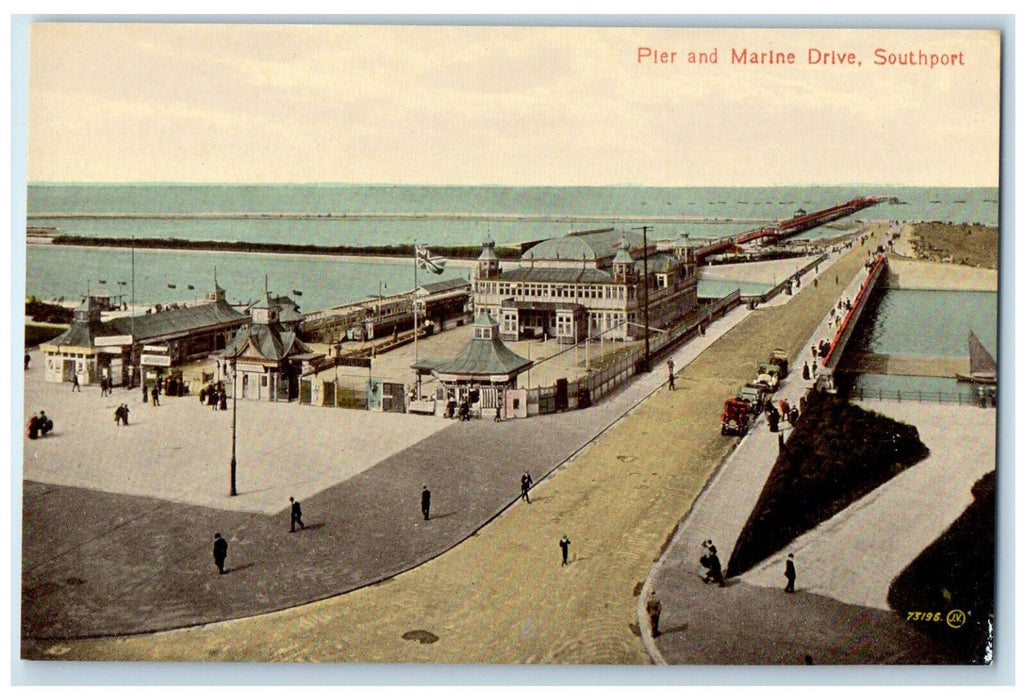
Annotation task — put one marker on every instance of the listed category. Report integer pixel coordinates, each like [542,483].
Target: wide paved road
[502,596]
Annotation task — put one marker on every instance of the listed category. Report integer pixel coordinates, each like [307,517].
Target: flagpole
[416,354]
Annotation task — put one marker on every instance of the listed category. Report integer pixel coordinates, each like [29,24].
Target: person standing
[297,515]
[669,366]
[564,544]
[425,503]
[155,394]
[715,568]
[525,485]
[790,574]
[74,383]
[654,608]
[146,394]
[220,552]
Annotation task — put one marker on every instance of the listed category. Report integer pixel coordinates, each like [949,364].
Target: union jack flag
[427,261]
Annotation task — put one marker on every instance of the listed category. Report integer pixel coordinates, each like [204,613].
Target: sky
[508,105]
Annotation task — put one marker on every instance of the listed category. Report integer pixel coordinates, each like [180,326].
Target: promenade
[616,478]
[839,614]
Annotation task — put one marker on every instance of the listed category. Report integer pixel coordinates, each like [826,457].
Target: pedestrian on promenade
[297,515]
[155,395]
[220,552]
[498,412]
[525,485]
[74,383]
[564,544]
[653,607]
[27,359]
[425,503]
[669,366]
[805,371]
[146,394]
[790,574]
[704,560]
[223,399]
[715,574]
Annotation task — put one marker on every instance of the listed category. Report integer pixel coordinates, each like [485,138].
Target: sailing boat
[982,367]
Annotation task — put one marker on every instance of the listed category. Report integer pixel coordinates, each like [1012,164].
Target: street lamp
[644,254]
[235,401]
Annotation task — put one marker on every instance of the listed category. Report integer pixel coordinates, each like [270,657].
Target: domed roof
[592,245]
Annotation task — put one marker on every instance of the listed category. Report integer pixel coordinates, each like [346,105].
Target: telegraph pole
[644,257]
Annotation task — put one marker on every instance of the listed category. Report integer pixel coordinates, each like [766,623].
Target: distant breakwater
[403,216]
[390,251]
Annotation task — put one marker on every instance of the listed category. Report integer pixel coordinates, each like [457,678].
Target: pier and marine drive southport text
[811,56]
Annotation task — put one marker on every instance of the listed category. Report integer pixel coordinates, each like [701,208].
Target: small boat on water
[103,281]
[297,292]
[191,287]
[171,286]
[982,366]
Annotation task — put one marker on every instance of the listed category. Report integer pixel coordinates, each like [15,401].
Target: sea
[364,215]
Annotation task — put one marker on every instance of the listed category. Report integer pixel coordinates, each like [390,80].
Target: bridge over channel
[849,321]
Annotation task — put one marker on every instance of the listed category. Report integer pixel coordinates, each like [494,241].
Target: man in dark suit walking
[220,552]
[790,574]
[297,515]
[425,503]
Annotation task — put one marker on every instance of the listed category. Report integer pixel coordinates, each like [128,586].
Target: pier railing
[987,399]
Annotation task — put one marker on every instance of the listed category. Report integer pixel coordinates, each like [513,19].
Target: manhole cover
[422,636]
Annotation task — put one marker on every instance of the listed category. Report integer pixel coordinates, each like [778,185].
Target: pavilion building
[587,284]
[482,373]
[267,356]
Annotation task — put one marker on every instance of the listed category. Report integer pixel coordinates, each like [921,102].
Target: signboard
[105,340]
[364,362]
[155,360]
[154,348]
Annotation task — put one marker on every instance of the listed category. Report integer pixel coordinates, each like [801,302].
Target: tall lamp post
[235,402]
[644,257]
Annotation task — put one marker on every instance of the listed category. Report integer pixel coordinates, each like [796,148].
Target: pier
[799,223]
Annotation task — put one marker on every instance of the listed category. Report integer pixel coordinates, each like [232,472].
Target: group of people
[296,518]
[215,396]
[39,426]
[121,414]
[151,394]
[710,568]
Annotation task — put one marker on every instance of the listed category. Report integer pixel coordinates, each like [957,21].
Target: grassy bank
[837,454]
